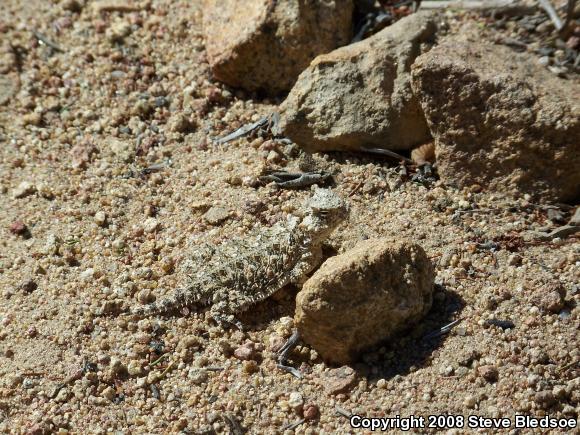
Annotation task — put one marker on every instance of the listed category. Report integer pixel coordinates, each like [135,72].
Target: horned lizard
[237,274]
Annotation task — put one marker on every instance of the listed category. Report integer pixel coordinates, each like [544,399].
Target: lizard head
[324,211]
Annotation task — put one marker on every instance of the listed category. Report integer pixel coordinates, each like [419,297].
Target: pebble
[545,398]
[198,376]
[544,60]
[488,372]
[100,218]
[23,189]
[340,380]
[134,368]
[145,296]
[109,393]
[296,401]
[246,351]
[216,215]
[310,411]
[18,228]
[150,225]
[515,260]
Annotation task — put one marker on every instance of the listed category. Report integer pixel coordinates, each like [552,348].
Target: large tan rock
[263,45]
[500,120]
[363,297]
[360,95]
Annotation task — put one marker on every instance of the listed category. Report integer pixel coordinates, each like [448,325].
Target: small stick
[343,412]
[171,364]
[569,12]
[42,38]
[547,6]
[243,130]
[283,354]
[292,426]
[233,424]
[158,360]
[443,330]
[388,153]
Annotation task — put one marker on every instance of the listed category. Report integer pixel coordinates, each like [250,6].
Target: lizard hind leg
[219,314]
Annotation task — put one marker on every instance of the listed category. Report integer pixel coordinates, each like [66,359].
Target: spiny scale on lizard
[240,272]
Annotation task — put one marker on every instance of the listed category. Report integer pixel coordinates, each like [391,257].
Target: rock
[246,351]
[544,398]
[82,153]
[121,148]
[500,120]
[360,95]
[101,218]
[296,401]
[216,215]
[9,85]
[338,381]
[134,368]
[23,189]
[310,411]
[489,373]
[263,45]
[109,393]
[364,296]
[18,228]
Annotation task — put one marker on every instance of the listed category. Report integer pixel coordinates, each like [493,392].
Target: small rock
[246,351]
[72,5]
[109,393]
[190,342]
[363,297]
[29,286]
[62,395]
[310,411]
[150,225]
[121,148]
[180,123]
[198,376]
[296,401]
[360,95]
[117,367]
[134,368]
[9,84]
[544,60]
[18,228]
[216,215]
[118,31]
[23,189]
[341,380]
[552,298]
[82,153]
[145,296]
[545,398]
[489,373]
[87,275]
[515,260]
[258,45]
[250,367]
[100,218]
[32,118]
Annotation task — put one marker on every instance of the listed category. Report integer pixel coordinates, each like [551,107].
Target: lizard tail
[162,306]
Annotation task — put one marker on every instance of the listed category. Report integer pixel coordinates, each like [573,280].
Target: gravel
[133,376]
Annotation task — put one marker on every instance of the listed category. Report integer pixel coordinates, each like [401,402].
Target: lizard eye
[323,213]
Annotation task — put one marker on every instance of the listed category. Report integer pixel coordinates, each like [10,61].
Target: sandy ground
[91,226]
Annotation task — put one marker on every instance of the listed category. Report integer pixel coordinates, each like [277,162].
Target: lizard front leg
[299,274]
